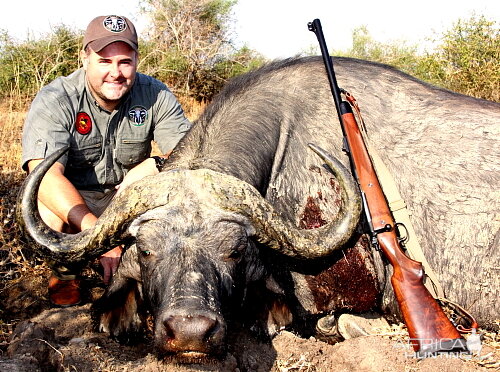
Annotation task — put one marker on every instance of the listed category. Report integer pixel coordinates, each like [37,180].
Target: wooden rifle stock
[429,328]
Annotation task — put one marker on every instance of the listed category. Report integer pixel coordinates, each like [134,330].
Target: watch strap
[159,162]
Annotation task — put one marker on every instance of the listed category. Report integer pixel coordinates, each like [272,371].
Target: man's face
[110,73]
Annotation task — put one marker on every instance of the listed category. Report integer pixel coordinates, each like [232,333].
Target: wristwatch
[159,162]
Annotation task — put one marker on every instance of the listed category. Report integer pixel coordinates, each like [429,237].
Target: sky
[275,28]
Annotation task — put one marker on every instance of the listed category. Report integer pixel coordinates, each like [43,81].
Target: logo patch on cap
[114,24]
[137,115]
[83,123]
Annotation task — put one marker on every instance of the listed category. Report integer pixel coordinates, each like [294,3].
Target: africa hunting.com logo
[446,348]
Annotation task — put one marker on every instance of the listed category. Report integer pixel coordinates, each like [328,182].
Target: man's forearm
[144,169]
[59,195]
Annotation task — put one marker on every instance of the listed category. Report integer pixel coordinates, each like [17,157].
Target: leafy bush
[27,66]
[466,59]
[397,54]
[189,45]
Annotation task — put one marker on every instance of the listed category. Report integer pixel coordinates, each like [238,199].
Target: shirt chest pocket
[130,152]
[84,155]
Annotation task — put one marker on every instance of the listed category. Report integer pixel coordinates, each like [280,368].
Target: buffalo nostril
[183,329]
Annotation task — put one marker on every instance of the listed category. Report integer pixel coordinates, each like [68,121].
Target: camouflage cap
[105,30]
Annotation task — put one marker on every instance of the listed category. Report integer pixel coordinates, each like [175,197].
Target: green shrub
[27,66]
[189,46]
[465,60]
[397,54]
[468,59]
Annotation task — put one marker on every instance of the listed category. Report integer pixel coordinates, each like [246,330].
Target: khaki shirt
[103,145]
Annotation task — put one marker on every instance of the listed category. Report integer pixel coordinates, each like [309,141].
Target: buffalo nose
[190,332]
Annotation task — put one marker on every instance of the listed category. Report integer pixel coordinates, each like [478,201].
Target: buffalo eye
[146,253]
[238,249]
[235,254]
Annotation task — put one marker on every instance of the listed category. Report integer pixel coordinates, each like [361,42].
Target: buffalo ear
[121,311]
[129,266]
[279,316]
[273,286]
[266,311]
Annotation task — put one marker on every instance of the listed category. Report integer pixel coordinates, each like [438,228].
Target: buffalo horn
[174,187]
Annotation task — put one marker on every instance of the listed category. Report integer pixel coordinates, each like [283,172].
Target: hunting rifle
[429,328]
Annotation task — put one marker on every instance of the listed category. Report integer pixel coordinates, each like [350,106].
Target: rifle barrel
[315,26]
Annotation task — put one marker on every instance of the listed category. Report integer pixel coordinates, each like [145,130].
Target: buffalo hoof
[346,326]
[352,326]
[327,329]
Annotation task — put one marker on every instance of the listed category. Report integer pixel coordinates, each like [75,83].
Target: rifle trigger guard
[402,238]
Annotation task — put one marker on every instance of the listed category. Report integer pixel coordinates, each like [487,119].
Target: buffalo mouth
[191,357]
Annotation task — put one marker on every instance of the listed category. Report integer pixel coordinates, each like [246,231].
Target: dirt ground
[44,339]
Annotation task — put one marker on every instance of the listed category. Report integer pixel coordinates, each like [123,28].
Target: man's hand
[110,261]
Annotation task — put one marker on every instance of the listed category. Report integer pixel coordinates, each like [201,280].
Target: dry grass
[192,108]
[11,122]
[13,261]
[11,257]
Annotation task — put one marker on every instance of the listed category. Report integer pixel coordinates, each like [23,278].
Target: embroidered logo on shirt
[137,115]
[83,123]
[114,24]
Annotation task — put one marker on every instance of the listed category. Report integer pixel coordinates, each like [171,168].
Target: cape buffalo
[243,180]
